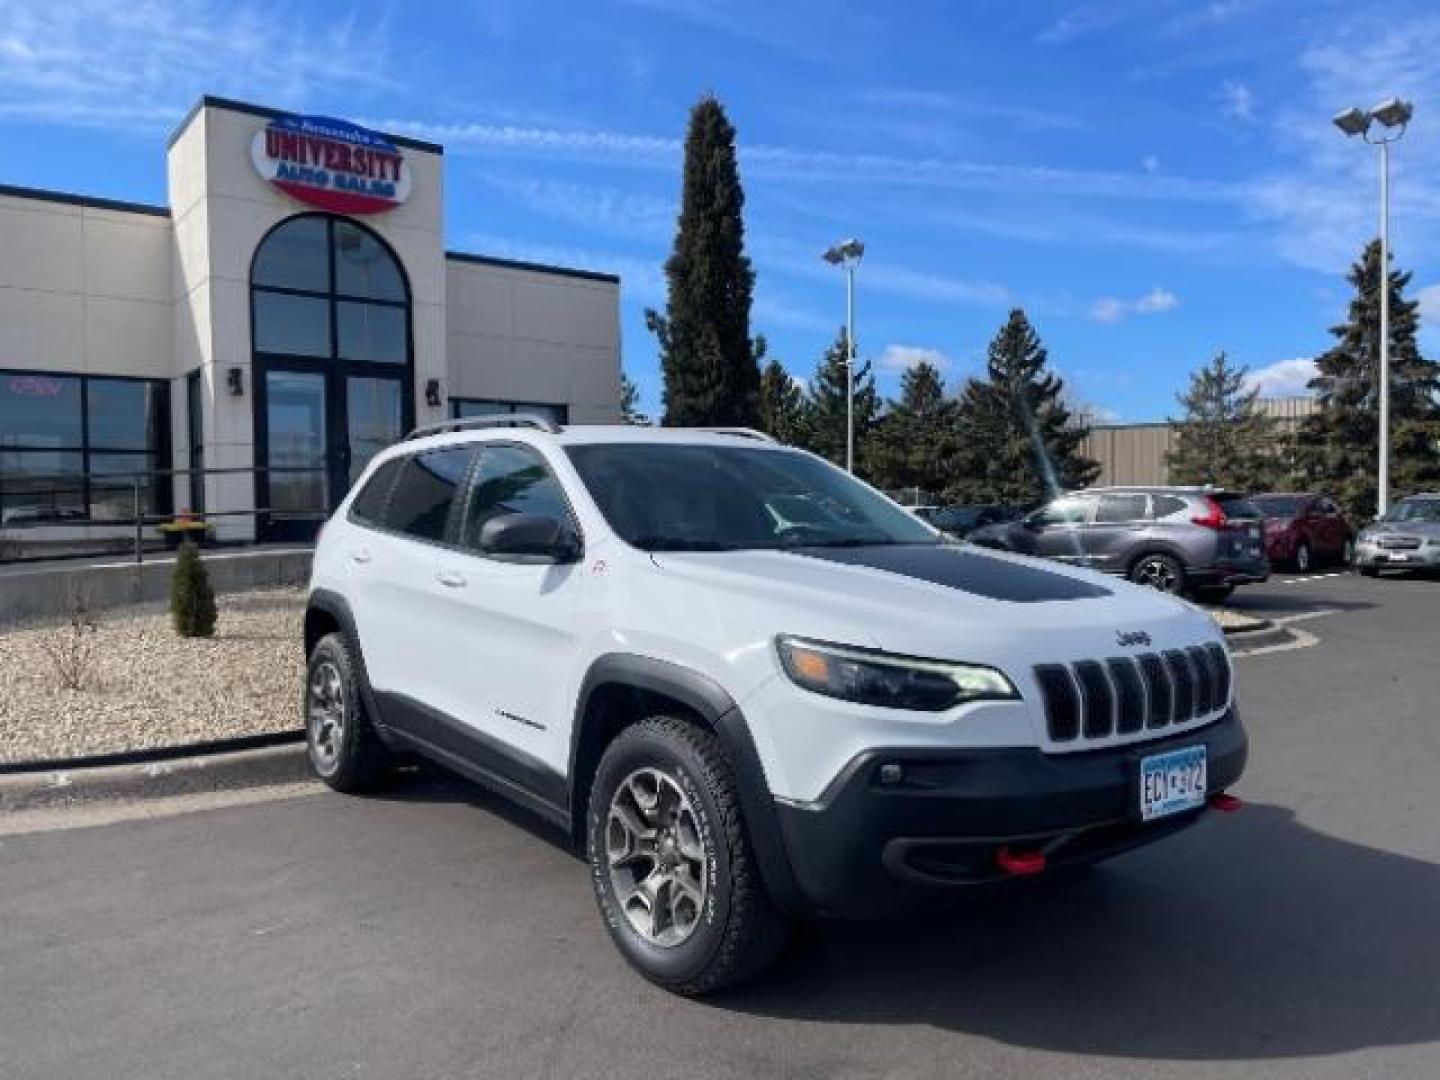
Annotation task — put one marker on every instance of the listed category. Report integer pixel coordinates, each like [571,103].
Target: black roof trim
[540,268]
[268,113]
[45,195]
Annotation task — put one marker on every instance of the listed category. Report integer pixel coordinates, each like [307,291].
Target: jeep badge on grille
[1131,638]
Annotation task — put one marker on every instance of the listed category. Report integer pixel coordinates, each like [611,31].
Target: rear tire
[340,740]
[671,864]
[1159,571]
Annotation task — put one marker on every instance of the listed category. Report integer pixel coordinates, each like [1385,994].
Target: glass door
[298,483]
[374,418]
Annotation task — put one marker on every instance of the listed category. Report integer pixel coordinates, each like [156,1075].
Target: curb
[69,786]
[1257,637]
[158,753]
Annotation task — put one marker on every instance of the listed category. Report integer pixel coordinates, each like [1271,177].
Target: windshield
[1279,506]
[1427,510]
[724,498]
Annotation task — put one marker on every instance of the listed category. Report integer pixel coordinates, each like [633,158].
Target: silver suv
[1177,539]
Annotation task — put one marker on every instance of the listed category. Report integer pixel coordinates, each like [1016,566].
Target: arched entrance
[333,365]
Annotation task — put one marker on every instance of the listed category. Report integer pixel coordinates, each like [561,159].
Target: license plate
[1172,782]
[1398,556]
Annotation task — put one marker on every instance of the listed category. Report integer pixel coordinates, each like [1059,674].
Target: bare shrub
[71,644]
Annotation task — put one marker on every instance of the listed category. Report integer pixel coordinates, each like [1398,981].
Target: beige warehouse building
[292,310]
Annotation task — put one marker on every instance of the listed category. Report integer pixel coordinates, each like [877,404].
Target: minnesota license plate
[1172,782]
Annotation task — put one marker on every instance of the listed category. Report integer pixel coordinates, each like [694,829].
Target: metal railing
[151,486]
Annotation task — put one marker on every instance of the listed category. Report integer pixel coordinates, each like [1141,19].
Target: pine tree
[1019,442]
[826,428]
[192,601]
[1337,446]
[630,403]
[712,375]
[1223,438]
[784,411]
[917,439]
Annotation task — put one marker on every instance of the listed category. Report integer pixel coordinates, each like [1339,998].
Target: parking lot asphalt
[430,931]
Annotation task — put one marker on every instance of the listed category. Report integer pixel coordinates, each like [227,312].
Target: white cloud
[139,65]
[1284,378]
[898,359]
[1110,309]
[1237,101]
[602,209]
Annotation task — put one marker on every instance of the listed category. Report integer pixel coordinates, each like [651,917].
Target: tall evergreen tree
[916,440]
[784,411]
[1223,438]
[1337,446]
[630,403]
[1019,441]
[826,427]
[711,372]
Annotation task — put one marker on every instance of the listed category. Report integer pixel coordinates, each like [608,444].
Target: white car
[741,719]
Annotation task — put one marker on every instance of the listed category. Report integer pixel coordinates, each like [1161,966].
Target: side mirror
[537,536]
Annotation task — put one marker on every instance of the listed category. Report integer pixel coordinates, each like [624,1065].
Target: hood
[1428,529]
[941,601]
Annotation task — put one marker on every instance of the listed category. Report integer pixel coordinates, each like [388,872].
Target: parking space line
[1312,577]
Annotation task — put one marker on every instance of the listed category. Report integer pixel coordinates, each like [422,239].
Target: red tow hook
[1225,802]
[1020,863]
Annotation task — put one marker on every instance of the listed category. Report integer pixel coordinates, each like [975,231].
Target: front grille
[1123,695]
[1399,543]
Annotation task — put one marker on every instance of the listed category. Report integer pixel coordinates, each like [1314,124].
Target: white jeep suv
[747,685]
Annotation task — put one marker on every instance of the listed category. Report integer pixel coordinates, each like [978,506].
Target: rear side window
[1120,508]
[1165,505]
[1067,511]
[1238,507]
[369,505]
[423,502]
[511,480]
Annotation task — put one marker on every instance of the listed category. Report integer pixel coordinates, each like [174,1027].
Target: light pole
[847,253]
[1393,115]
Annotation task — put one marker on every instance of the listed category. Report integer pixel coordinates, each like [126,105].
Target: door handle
[451,579]
[360,555]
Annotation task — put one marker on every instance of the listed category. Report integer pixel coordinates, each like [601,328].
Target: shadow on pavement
[1249,937]
[1295,598]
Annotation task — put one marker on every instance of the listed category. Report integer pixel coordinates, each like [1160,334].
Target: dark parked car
[961,521]
[1194,540]
[1304,530]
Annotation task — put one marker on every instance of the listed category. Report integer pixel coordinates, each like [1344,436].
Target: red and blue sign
[332,164]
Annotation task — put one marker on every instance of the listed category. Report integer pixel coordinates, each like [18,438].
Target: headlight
[895,682]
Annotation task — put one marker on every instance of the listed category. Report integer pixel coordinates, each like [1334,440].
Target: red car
[1304,530]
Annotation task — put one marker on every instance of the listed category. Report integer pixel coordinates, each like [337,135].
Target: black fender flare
[714,706]
[337,608]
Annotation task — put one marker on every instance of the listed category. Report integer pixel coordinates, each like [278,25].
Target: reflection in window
[424,495]
[295,256]
[511,480]
[298,325]
[364,267]
[371,332]
[40,410]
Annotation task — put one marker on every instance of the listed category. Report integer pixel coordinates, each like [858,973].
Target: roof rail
[496,420]
[739,432]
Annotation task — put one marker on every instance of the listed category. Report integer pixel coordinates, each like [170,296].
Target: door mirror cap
[531,536]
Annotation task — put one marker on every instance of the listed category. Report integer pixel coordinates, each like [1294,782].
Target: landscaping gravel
[146,688]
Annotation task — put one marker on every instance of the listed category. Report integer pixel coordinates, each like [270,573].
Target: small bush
[70,645]
[192,601]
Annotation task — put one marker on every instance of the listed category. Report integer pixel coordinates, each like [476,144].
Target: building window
[463,407]
[73,446]
[327,288]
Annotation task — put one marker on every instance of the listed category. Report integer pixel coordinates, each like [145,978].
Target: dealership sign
[331,164]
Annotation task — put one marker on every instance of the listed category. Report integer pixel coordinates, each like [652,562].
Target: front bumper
[1425,557]
[870,848]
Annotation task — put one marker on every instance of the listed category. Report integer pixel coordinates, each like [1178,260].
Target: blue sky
[1152,180]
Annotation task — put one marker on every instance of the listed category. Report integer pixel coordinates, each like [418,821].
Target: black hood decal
[968,571]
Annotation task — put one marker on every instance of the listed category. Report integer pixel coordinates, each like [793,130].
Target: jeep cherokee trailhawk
[747,685]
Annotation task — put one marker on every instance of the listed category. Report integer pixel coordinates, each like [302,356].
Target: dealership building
[291,311]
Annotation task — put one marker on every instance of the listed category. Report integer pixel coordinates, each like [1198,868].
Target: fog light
[891,773]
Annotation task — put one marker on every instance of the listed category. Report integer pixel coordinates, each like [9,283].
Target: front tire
[671,864]
[340,740]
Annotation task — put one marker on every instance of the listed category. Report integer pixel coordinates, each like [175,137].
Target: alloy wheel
[1158,574]
[325,716]
[657,862]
